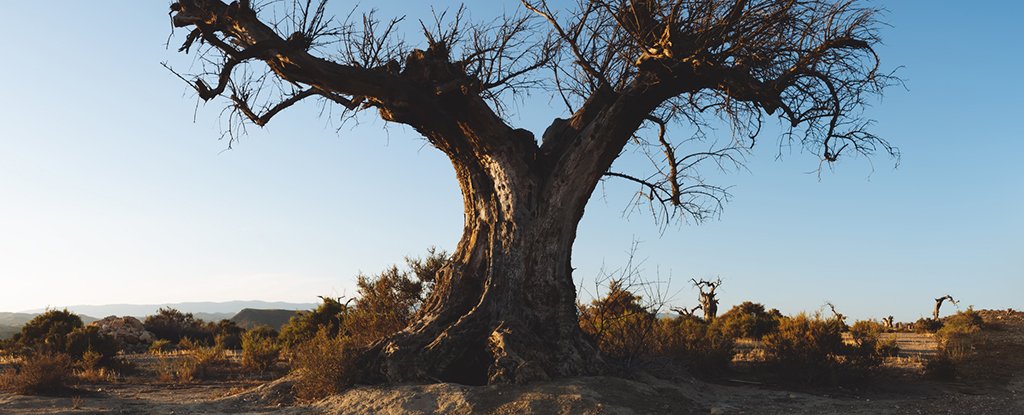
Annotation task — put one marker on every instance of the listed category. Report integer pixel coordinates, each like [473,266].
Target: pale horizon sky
[114,187]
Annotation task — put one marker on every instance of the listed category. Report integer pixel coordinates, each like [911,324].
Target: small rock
[717,411]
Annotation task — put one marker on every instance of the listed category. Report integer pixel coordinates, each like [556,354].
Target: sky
[115,186]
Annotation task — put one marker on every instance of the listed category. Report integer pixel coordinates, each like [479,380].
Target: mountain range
[245,313]
[210,311]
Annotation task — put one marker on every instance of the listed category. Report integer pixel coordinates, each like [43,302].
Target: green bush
[48,332]
[325,365]
[748,320]
[89,339]
[40,373]
[173,325]
[302,327]
[227,334]
[259,349]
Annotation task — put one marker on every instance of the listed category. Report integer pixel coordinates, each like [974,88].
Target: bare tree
[627,72]
[938,305]
[888,323]
[708,302]
[841,318]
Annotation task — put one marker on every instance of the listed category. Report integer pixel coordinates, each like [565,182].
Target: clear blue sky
[115,189]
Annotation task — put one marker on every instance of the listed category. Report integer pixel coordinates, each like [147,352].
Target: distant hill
[11,323]
[7,331]
[210,311]
[252,317]
[15,319]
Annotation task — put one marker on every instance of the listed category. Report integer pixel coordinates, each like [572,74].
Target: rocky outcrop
[130,333]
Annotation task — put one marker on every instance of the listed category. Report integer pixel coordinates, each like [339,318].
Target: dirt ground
[991,381]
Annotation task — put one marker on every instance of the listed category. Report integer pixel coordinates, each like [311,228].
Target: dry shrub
[705,348]
[160,346]
[622,327]
[927,325]
[42,373]
[385,305]
[748,320]
[805,348]
[259,350]
[940,367]
[325,365]
[198,362]
[957,339]
[94,367]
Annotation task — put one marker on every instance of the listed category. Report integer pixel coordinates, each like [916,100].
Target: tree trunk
[504,309]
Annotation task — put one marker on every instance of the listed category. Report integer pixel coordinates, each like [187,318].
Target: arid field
[989,379]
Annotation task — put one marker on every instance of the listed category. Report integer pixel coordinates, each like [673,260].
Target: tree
[707,299]
[938,305]
[503,307]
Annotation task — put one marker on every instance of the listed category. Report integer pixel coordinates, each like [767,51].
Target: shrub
[95,367]
[959,333]
[48,332]
[160,346]
[804,349]
[385,304]
[201,362]
[40,373]
[940,367]
[89,339]
[967,322]
[259,349]
[328,316]
[227,334]
[705,348]
[927,325]
[325,365]
[173,325]
[748,320]
[866,330]
[619,324]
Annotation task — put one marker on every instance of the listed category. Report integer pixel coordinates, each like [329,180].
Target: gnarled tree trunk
[504,309]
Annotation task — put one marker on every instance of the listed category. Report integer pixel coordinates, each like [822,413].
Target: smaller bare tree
[840,317]
[686,312]
[938,305]
[708,302]
[888,323]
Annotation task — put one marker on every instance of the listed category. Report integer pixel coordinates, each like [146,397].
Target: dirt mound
[589,395]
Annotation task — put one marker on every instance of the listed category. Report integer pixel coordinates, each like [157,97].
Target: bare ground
[990,382]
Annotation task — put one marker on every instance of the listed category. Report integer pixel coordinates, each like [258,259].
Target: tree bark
[504,309]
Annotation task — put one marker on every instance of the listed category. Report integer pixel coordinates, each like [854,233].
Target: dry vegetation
[320,349]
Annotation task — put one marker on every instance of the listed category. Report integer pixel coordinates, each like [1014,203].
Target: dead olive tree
[503,309]
[938,305]
[707,299]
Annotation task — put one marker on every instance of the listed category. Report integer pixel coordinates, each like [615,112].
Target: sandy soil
[992,382]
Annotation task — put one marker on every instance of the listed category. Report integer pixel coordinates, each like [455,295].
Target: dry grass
[325,365]
[39,374]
